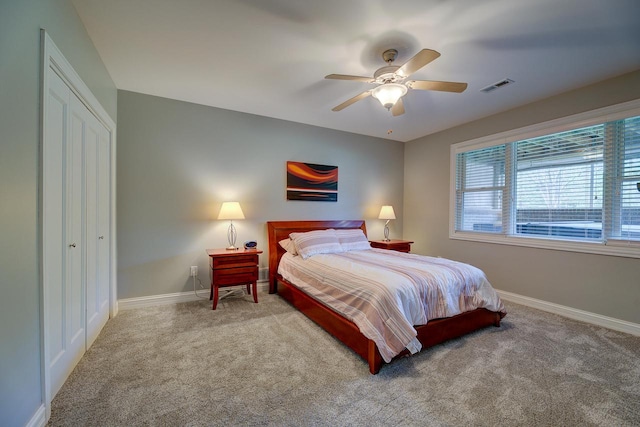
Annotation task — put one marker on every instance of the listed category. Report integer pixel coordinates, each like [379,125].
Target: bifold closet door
[76,206]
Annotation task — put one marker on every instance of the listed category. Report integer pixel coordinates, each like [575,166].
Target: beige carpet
[266,364]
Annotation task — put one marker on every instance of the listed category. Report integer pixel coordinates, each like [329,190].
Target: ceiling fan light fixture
[393,84]
[389,93]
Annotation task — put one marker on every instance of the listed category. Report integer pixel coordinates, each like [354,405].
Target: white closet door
[97,253]
[63,237]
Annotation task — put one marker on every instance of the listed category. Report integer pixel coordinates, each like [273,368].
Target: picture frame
[312,182]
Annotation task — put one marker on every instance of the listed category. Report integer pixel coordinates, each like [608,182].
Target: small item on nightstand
[251,244]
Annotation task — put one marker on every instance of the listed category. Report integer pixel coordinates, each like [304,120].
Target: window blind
[624,180]
[480,185]
[559,184]
[579,185]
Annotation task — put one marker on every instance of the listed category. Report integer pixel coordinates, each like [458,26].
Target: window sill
[620,248]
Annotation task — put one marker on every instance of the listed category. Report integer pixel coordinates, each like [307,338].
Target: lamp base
[231,237]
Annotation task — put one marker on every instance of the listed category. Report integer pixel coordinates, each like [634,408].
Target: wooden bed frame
[435,332]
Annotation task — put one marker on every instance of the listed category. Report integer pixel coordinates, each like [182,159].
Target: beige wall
[605,285]
[20,23]
[177,162]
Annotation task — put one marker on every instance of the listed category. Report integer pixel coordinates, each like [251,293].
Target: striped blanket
[385,293]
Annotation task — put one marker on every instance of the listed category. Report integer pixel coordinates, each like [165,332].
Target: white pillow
[287,245]
[353,240]
[316,242]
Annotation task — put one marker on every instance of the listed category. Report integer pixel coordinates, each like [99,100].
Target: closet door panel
[104,223]
[91,220]
[75,293]
[97,310]
[54,240]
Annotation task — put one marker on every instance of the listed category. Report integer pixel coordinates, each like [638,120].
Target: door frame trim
[53,61]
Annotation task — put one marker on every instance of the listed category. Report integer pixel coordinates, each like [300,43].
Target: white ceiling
[269,57]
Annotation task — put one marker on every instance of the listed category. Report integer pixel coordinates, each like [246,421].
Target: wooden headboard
[279,230]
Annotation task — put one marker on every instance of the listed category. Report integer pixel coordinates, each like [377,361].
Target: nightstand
[393,245]
[233,268]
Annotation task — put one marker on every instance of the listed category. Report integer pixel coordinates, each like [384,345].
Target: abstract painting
[308,181]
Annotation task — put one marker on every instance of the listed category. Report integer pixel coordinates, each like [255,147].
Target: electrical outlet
[194,270]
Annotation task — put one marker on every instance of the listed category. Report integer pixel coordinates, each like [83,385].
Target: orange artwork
[308,181]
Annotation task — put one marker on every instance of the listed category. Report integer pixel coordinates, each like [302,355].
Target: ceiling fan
[393,83]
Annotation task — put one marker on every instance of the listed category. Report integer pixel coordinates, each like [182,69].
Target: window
[574,187]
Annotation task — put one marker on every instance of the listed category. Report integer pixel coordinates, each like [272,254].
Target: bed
[345,330]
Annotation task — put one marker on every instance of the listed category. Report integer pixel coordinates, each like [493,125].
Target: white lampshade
[388,94]
[387,213]
[231,210]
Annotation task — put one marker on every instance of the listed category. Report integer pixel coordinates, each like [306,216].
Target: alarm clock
[251,244]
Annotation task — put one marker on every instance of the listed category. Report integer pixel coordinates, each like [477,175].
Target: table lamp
[387,213]
[231,211]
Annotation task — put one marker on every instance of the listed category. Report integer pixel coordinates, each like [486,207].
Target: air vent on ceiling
[497,85]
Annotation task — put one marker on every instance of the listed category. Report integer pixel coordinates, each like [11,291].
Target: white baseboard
[174,298]
[263,286]
[38,419]
[573,313]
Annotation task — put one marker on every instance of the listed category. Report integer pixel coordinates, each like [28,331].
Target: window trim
[612,247]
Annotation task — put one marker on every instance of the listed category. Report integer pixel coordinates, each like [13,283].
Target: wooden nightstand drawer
[229,276]
[250,260]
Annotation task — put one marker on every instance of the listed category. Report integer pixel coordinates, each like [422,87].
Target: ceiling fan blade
[420,59]
[346,77]
[398,108]
[350,101]
[434,85]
